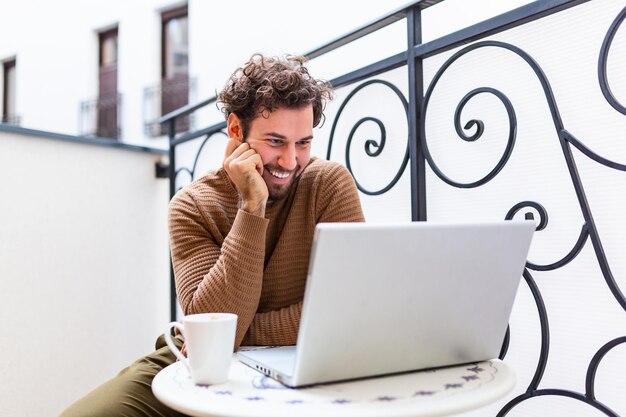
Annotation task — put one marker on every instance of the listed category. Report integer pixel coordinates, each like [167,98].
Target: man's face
[283,140]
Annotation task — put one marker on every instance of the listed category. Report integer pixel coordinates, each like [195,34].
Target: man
[241,235]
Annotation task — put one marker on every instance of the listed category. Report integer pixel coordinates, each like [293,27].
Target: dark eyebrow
[279,136]
[276,135]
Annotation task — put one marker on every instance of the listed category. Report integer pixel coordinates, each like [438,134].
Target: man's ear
[234,128]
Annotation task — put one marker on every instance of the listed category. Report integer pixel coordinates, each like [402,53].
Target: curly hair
[264,84]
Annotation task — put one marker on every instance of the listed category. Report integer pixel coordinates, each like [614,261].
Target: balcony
[101,117]
[11,119]
[167,96]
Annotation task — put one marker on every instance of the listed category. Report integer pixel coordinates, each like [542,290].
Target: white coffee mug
[210,340]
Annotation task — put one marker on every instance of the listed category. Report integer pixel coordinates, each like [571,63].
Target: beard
[279,191]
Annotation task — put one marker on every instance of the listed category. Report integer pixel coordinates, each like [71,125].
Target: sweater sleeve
[337,200]
[210,278]
[275,328]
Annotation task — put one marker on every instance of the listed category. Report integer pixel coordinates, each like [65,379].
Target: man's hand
[245,168]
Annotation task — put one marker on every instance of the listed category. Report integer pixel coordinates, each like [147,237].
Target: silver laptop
[383,299]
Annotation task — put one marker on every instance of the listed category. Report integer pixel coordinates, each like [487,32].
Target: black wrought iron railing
[419,157]
[102,117]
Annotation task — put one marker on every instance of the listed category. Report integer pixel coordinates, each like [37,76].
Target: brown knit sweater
[227,260]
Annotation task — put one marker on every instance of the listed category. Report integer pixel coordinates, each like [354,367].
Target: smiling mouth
[279,174]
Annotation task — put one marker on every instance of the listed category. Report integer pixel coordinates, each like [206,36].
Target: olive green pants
[130,392]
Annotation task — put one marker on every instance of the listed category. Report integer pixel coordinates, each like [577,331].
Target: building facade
[111,69]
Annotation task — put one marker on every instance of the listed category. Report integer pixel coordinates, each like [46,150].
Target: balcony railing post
[171,133]
[416,97]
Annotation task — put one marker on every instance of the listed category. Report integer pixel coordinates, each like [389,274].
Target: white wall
[84,272]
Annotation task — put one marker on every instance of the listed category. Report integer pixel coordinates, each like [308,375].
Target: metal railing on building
[102,117]
[167,96]
[11,119]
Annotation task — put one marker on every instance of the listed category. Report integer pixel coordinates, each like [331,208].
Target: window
[175,87]
[100,116]
[174,63]
[9,114]
[108,98]
[175,44]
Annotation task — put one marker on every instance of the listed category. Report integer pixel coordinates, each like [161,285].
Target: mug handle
[172,346]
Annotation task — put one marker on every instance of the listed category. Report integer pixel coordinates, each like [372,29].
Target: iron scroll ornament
[478,123]
[588,230]
[192,171]
[604,54]
[565,139]
[543,223]
[372,147]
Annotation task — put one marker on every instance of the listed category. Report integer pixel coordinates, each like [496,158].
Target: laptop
[382,299]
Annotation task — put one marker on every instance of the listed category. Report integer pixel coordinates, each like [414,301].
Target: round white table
[248,393]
